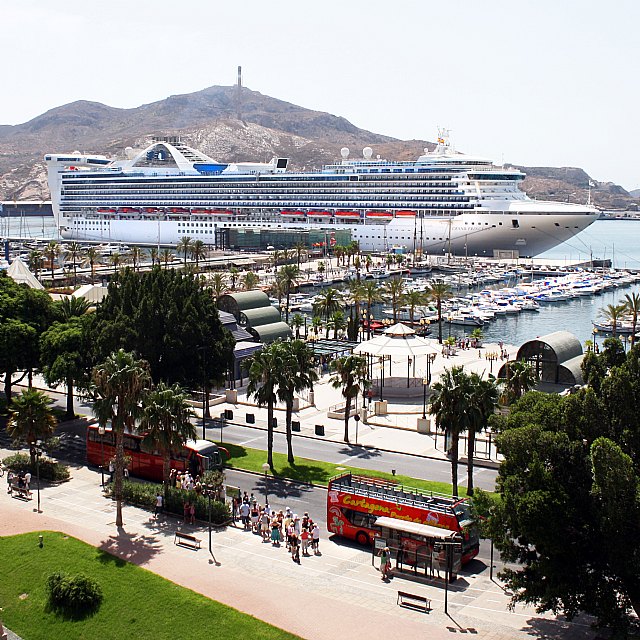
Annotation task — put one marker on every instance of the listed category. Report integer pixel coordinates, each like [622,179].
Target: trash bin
[228,414]
[295,425]
[319,429]
[251,418]
[274,423]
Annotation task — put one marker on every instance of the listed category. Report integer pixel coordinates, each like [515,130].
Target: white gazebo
[397,342]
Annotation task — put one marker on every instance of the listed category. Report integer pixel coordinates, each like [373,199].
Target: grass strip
[137,603]
[316,471]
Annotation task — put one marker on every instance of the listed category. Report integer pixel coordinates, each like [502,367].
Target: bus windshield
[211,457]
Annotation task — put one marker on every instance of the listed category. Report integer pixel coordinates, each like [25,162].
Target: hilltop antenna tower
[239,94]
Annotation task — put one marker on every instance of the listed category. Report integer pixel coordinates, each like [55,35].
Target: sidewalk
[337,594]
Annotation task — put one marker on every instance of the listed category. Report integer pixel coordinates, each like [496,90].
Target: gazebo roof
[399,340]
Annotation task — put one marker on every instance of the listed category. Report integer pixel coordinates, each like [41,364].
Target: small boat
[320,214]
[380,215]
[406,214]
[297,214]
[347,214]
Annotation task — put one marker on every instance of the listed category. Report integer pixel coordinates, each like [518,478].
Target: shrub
[49,469]
[144,494]
[74,595]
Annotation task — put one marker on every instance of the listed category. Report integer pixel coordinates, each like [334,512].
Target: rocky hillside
[232,126]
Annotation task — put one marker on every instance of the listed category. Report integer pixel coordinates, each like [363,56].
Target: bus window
[359,519]
[131,443]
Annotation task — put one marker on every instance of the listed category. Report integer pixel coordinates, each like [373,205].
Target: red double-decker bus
[355,502]
[196,456]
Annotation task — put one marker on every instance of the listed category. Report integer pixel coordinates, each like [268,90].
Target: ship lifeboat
[287,212]
[347,214]
[151,210]
[178,210]
[103,210]
[221,212]
[128,210]
[406,214]
[380,215]
[321,214]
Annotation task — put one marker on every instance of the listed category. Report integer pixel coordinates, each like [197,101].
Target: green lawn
[315,471]
[137,603]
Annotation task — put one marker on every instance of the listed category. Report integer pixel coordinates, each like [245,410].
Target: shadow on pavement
[131,547]
[560,629]
[359,452]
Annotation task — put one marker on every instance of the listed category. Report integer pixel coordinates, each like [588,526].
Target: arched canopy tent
[398,342]
[556,358]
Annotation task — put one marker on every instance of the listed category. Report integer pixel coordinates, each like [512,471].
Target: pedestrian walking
[295,548]
[315,539]
[192,513]
[112,470]
[304,539]
[159,504]
[245,510]
[27,480]
[385,563]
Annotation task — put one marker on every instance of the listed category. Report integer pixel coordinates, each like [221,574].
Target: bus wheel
[362,538]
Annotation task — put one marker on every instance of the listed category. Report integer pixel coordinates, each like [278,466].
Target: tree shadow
[559,629]
[281,487]
[129,547]
[358,451]
[235,450]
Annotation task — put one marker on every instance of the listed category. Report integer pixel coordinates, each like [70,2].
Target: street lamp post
[204,392]
[265,468]
[101,432]
[38,452]
[425,383]
[209,491]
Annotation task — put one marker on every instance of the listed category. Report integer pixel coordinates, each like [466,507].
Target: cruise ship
[443,202]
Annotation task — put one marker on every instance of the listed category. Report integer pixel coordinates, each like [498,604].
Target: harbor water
[616,240]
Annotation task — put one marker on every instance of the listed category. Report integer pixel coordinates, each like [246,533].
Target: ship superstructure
[442,202]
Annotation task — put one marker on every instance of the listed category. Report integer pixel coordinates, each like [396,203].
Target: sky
[537,83]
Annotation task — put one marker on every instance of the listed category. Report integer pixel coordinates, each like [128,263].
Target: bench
[414,601]
[19,492]
[186,540]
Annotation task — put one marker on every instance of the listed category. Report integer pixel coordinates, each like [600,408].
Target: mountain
[232,125]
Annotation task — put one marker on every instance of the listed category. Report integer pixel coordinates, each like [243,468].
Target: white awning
[397,341]
[416,528]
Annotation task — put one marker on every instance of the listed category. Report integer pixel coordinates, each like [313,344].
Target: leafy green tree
[263,368]
[184,247]
[63,353]
[71,307]
[51,253]
[300,250]
[351,375]
[296,322]
[234,274]
[439,291]
[154,254]
[166,421]
[297,374]
[120,385]
[449,404]
[35,262]
[395,290]
[218,285]
[167,256]
[31,419]
[170,320]
[520,378]
[73,251]
[116,260]
[92,257]
[414,299]
[137,255]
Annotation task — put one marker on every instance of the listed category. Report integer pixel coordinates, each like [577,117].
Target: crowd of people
[300,535]
[22,479]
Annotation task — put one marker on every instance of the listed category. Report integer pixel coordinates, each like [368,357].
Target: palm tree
[184,246]
[71,307]
[372,294]
[35,261]
[300,250]
[115,259]
[198,252]
[31,419]
[218,285]
[351,374]
[264,367]
[316,325]
[297,374]
[520,379]
[395,290]
[289,274]
[439,291]
[612,314]
[166,419]
[154,254]
[297,321]
[250,281]
[234,272]
[136,254]
[414,299]
[449,404]
[356,294]
[51,253]
[337,322]
[632,303]
[120,384]
[327,302]
[91,257]
[275,257]
[482,405]
[166,256]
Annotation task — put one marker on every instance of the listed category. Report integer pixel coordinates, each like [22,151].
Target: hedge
[49,469]
[144,495]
